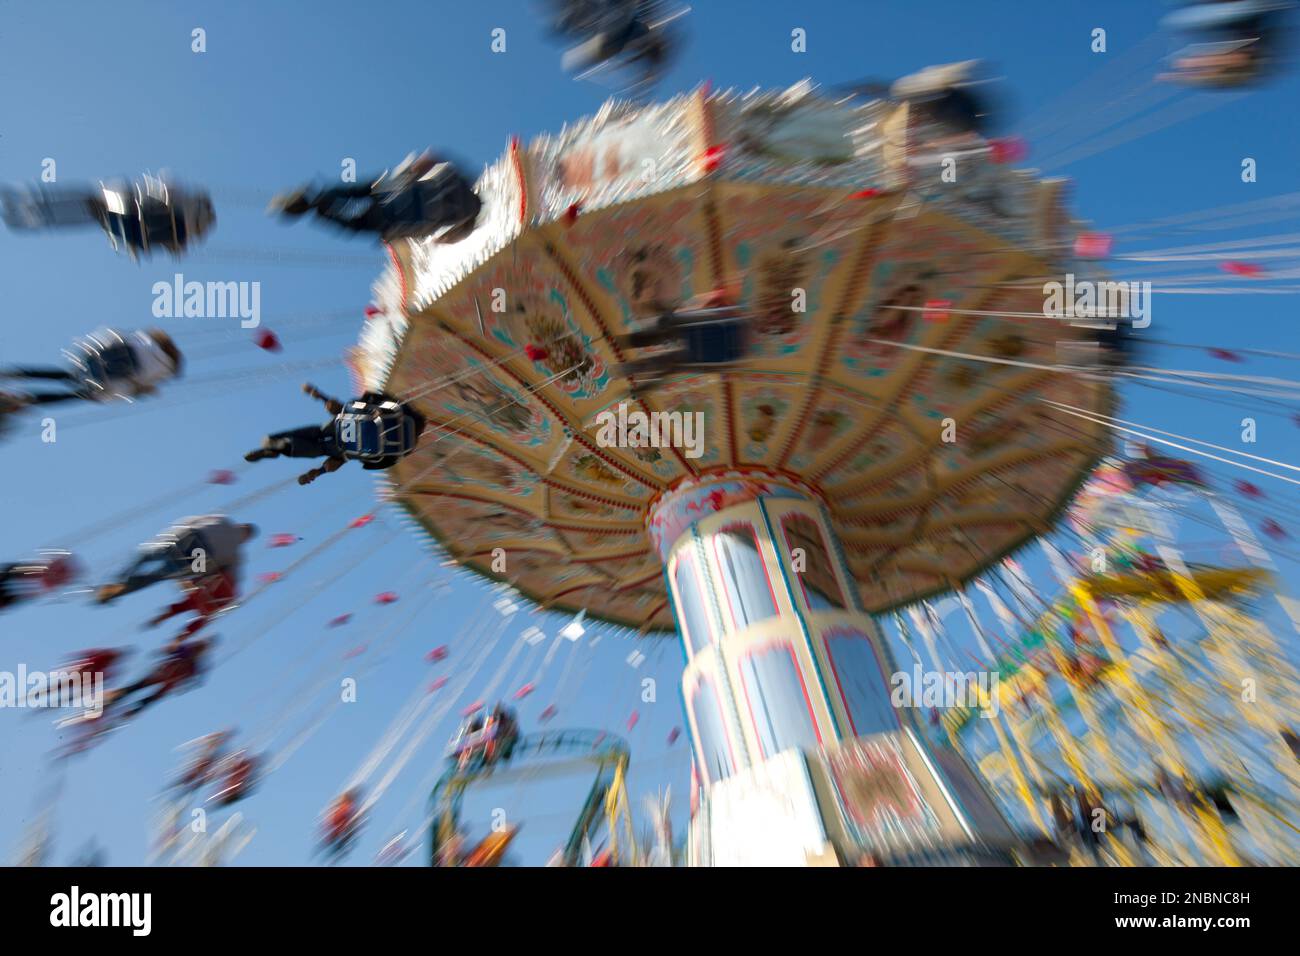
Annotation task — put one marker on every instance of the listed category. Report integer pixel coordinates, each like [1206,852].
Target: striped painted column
[787,677]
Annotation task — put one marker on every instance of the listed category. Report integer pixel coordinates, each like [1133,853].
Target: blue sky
[283,95]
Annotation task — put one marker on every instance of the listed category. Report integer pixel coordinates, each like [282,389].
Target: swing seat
[375,433]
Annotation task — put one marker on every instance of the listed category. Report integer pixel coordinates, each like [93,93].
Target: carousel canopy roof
[866,274]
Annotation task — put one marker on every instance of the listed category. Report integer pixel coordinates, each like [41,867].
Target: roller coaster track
[548,753]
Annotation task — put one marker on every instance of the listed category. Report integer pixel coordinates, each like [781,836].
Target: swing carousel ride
[863,456]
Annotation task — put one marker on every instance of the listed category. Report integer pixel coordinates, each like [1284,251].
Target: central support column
[800,753]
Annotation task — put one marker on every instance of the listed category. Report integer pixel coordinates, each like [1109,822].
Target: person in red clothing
[99,660]
[239,775]
[204,597]
[202,767]
[32,579]
[184,664]
[88,663]
[342,823]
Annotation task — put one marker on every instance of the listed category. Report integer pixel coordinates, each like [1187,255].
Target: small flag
[1248,489]
[1247,269]
[1012,149]
[574,629]
[268,341]
[1092,245]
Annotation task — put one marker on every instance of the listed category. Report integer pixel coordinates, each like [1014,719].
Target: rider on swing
[706,332]
[191,551]
[424,197]
[374,429]
[138,217]
[107,365]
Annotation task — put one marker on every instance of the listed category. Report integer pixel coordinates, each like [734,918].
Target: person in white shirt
[139,217]
[174,555]
[107,365]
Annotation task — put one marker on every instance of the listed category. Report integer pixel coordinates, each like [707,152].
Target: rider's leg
[57,374]
[305,442]
[326,467]
[660,332]
[158,563]
[55,398]
[356,214]
[661,364]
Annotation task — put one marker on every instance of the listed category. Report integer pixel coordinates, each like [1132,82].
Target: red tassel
[865,194]
[1224,355]
[268,341]
[571,214]
[1273,529]
[535,352]
[361,522]
[936,310]
[437,654]
[373,310]
[1247,269]
[713,158]
[1247,489]
[386,597]
[437,684]
[1092,245]
[222,476]
[282,540]
[1009,150]
[340,620]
